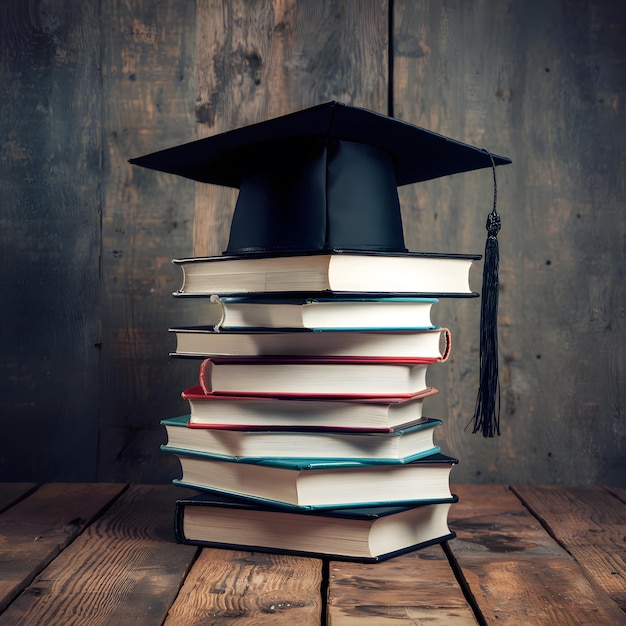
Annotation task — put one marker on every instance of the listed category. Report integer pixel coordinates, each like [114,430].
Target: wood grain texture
[261,60]
[149,91]
[590,524]
[50,103]
[415,588]
[515,571]
[37,529]
[539,82]
[125,568]
[86,239]
[618,492]
[244,588]
[12,492]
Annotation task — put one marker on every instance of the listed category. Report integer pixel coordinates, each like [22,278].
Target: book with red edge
[314,376]
[381,414]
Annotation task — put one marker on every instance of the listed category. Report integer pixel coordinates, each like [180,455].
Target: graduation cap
[326,178]
[320,179]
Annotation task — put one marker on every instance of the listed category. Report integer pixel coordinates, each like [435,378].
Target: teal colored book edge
[300,463]
[266,330]
[303,464]
[268,298]
[181,421]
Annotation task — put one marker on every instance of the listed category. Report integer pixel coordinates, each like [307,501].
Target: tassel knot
[494,224]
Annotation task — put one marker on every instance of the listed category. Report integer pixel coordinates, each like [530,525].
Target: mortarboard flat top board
[321,179]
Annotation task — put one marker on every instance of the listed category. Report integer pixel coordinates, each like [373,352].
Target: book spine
[179,522]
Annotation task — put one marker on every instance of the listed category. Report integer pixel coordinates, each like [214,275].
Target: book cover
[314,376]
[208,341]
[402,445]
[317,313]
[315,483]
[369,534]
[426,274]
[381,414]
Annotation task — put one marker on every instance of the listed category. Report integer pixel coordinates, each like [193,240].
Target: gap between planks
[515,570]
[589,523]
[41,523]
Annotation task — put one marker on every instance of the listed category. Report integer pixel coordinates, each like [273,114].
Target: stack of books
[306,432]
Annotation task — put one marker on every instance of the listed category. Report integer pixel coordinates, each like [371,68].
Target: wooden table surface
[105,554]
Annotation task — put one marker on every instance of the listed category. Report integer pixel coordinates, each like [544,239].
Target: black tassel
[487,410]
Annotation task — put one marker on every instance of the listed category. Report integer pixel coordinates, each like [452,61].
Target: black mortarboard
[324,178]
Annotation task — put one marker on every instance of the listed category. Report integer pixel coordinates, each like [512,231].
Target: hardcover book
[435,275]
[404,444]
[366,535]
[325,377]
[303,412]
[202,341]
[338,313]
[317,483]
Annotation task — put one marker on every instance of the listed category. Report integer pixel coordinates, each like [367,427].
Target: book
[339,313]
[313,376]
[306,483]
[305,412]
[428,274]
[401,445]
[366,534]
[202,341]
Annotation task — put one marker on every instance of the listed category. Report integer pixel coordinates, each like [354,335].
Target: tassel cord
[486,417]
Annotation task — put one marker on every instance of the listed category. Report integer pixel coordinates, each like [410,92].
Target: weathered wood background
[86,240]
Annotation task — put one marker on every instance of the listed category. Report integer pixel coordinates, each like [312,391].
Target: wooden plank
[149,88]
[237,587]
[590,524]
[416,588]
[50,237]
[34,531]
[618,492]
[125,568]
[516,573]
[12,492]
[260,60]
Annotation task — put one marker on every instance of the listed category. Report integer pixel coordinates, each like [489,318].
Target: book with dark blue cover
[367,534]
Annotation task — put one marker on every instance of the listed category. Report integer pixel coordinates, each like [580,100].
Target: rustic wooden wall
[544,83]
[87,239]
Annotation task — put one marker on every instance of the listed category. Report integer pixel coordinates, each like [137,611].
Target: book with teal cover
[304,464]
[326,313]
[314,483]
[294,298]
[256,445]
